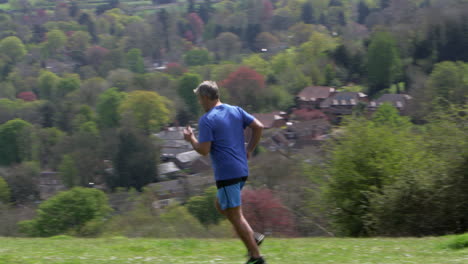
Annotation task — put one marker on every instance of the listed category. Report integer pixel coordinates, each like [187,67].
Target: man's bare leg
[242,227]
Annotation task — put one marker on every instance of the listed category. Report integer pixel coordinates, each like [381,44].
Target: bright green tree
[56,41]
[13,48]
[68,212]
[148,110]
[383,62]
[48,83]
[108,107]
[196,57]
[68,84]
[367,157]
[448,81]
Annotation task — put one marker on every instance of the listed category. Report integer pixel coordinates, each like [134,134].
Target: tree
[265,40]
[27,96]
[22,181]
[307,13]
[56,41]
[363,12]
[196,24]
[68,84]
[148,110]
[369,156]
[77,45]
[12,48]
[202,207]
[245,87]
[68,171]
[135,161]
[227,45]
[383,63]
[4,191]
[49,139]
[47,84]
[196,57]
[68,212]
[274,217]
[187,83]
[16,138]
[135,61]
[448,82]
[107,108]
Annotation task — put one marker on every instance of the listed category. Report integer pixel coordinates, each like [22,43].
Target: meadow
[68,250]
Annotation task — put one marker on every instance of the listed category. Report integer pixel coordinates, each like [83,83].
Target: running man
[221,133]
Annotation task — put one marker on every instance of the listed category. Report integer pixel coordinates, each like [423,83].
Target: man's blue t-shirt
[224,126]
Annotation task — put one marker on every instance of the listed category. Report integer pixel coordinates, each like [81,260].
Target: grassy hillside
[67,250]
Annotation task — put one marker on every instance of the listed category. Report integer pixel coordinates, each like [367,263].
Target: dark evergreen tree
[307,13]
[135,161]
[363,12]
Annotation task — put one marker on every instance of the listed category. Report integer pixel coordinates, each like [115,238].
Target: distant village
[182,172]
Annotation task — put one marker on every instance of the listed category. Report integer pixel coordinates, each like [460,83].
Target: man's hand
[188,133]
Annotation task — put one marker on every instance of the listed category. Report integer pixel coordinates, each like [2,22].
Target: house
[342,103]
[312,96]
[306,114]
[50,183]
[307,132]
[185,159]
[182,188]
[169,170]
[273,119]
[172,143]
[399,101]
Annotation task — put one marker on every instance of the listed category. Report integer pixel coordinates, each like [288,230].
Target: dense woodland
[86,81]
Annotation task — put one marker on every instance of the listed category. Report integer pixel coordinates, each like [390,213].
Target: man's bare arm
[202,148]
[257,128]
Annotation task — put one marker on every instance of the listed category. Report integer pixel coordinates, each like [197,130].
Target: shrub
[69,212]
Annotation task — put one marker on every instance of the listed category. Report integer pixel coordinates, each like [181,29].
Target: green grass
[67,250]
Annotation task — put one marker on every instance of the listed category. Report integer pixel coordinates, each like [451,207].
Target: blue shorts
[229,192]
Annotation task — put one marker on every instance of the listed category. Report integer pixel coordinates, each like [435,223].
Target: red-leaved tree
[246,88]
[266,213]
[27,96]
[197,25]
[175,68]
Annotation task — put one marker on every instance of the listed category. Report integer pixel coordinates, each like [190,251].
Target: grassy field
[174,251]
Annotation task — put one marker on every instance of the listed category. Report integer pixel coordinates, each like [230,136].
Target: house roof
[343,99]
[397,100]
[268,119]
[167,167]
[308,114]
[312,93]
[188,156]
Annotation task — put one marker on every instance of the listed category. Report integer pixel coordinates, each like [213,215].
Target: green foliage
[135,61]
[457,242]
[67,212]
[107,107]
[203,207]
[370,155]
[66,85]
[448,81]
[16,138]
[13,48]
[196,57]
[68,171]
[187,83]
[149,110]
[22,181]
[135,161]
[56,41]
[47,84]
[383,63]
[4,191]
